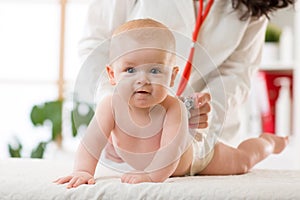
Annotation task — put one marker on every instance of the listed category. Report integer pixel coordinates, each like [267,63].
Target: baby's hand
[134,178]
[76,179]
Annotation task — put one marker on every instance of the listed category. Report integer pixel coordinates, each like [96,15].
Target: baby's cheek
[124,88]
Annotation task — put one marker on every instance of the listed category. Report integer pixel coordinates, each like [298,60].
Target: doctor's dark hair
[258,8]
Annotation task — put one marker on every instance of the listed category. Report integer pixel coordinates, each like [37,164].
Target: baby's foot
[279,143]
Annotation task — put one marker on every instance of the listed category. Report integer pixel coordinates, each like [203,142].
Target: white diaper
[202,155]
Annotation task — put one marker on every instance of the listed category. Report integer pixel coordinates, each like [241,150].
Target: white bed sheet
[32,179]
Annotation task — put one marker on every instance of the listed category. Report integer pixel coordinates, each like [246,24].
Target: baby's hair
[139,23]
[144,31]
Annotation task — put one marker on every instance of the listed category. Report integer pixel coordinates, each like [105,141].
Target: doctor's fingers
[199,121]
[199,116]
[203,109]
[201,98]
[199,125]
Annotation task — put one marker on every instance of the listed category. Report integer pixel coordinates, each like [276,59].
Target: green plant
[79,118]
[52,111]
[48,111]
[15,152]
[273,33]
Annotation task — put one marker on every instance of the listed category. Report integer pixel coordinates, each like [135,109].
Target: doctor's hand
[199,112]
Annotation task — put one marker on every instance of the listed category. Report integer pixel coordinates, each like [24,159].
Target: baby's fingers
[79,181]
[125,178]
[72,182]
[91,181]
[76,181]
[63,180]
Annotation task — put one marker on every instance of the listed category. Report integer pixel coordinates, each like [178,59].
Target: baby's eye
[155,71]
[130,70]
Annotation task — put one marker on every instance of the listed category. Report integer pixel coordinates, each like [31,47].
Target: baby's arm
[91,146]
[174,142]
[83,171]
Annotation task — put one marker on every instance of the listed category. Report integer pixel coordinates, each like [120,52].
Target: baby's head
[142,54]
[142,34]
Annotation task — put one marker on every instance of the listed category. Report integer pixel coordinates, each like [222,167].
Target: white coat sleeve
[235,74]
[238,69]
[103,16]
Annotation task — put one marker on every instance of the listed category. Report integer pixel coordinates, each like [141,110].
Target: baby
[147,126]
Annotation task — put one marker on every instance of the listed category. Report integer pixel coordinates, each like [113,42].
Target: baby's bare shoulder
[173,103]
[106,100]
[105,104]
[171,99]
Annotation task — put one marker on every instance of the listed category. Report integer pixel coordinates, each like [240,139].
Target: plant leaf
[52,111]
[79,119]
[273,33]
[15,152]
[38,152]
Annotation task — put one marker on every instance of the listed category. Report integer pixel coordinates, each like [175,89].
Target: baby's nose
[143,79]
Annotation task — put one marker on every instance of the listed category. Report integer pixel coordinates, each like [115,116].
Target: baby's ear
[174,74]
[111,75]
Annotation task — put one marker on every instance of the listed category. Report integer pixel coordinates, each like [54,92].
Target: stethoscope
[188,67]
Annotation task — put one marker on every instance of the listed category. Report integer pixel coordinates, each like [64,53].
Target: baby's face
[143,77]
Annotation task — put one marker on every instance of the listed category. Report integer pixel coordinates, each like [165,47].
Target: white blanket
[32,179]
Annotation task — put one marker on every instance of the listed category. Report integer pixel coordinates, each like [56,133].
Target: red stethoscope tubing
[188,67]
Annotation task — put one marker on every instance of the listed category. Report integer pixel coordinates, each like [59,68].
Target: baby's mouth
[141,92]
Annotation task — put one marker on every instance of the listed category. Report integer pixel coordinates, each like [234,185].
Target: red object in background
[268,118]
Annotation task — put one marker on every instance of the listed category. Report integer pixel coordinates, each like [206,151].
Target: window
[30,61]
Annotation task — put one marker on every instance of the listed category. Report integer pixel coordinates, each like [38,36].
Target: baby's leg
[228,160]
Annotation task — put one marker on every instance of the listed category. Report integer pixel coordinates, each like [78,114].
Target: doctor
[232,34]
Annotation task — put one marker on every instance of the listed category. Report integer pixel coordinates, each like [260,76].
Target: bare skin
[228,160]
[163,149]
[198,119]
